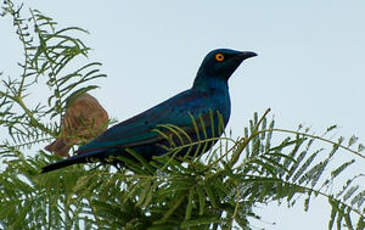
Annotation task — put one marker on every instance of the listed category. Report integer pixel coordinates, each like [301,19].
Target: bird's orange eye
[219,57]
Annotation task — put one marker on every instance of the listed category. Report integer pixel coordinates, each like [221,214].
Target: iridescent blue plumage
[208,96]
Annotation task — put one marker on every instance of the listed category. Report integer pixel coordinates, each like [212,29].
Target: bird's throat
[207,84]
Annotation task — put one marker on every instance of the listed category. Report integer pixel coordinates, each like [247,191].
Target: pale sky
[310,67]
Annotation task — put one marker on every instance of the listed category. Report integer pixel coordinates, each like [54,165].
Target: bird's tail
[82,158]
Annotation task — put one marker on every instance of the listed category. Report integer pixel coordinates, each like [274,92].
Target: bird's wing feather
[137,130]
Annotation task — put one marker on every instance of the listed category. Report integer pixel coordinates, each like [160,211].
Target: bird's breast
[222,103]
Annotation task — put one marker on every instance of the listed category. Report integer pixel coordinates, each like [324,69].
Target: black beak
[246,54]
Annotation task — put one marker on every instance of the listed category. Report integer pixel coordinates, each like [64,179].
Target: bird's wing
[138,129]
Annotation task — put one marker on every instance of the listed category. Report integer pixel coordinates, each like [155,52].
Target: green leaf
[189,206]
[201,200]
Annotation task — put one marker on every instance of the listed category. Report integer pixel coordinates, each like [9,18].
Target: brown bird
[84,119]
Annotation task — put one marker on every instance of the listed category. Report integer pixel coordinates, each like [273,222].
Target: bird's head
[223,62]
[220,64]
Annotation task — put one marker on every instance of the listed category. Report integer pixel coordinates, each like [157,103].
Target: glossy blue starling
[205,105]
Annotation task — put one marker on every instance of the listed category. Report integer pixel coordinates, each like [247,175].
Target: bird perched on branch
[84,120]
[200,112]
